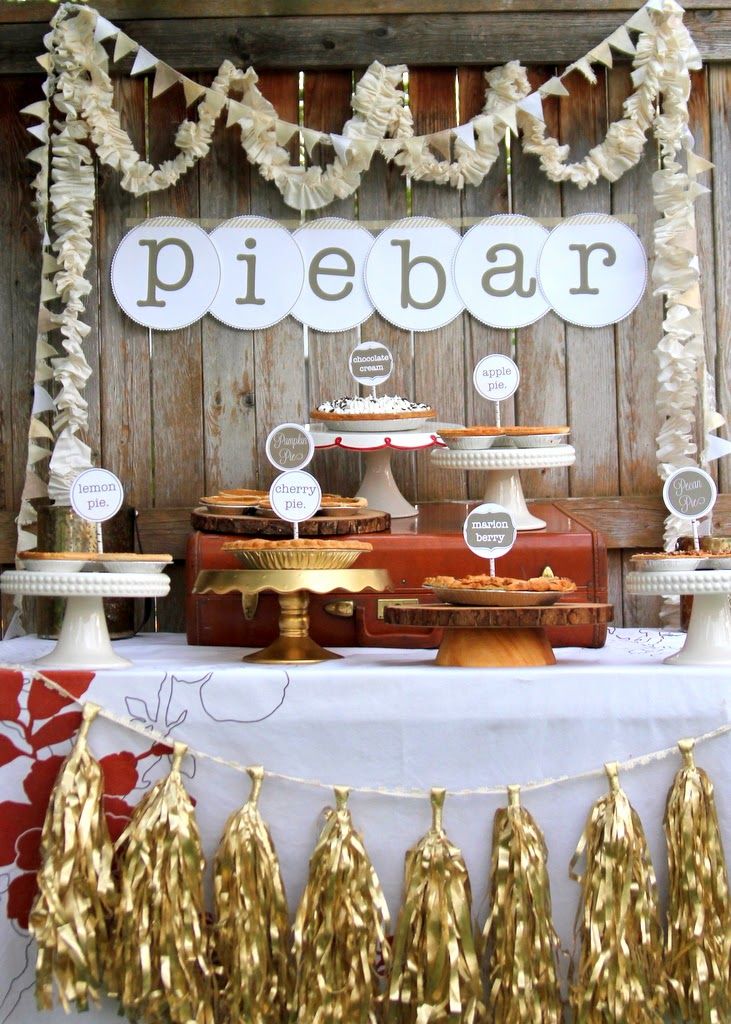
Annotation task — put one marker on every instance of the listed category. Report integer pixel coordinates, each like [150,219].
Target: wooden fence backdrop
[179,414]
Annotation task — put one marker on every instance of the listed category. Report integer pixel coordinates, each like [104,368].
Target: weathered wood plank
[19,287]
[541,348]
[177,372]
[279,370]
[720,103]
[439,360]
[343,42]
[490,198]
[125,348]
[637,335]
[327,97]
[229,417]
[590,365]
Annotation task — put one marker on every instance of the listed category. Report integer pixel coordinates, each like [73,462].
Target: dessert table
[375,718]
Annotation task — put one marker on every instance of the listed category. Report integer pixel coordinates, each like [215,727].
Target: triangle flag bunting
[507,115]
[48,291]
[123,46]
[40,131]
[640,21]
[164,78]
[310,138]
[104,29]
[603,54]
[42,401]
[38,156]
[39,109]
[236,111]
[39,429]
[36,453]
[466,134]
[215,100]
[341,145]
[621,41]
[554,87]
[192,90]
[716,447]
[45,61]
[698,164]
[144,61]
[284,131]
[532,105]
[654,5]
[441,142]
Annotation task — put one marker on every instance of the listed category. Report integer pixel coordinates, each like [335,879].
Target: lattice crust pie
[537,584]
[304,543]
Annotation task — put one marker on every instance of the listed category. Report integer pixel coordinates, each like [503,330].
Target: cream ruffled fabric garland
[80,87]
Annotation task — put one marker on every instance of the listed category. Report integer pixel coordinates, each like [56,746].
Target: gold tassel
[619,974]
[70,917]
[521,942]
[699,925]
[435,977]
[340,928]
[252,934]
[161,945]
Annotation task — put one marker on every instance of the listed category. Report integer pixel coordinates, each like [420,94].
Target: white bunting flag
[603,54]
[36,453]
[441,142]
[698,164]
[532,105]
[654,5]
[716,447]
[40,131]
[621,41]
[38,429]
[38,109]
[123,46]
[192,90]
[45,61]
[341,145]
[215,100]
[165,77]
[640,21]
[466,134]
[48,290]
[144,61]
[310,138]
[236,111]
[284,130]
[104,29]
[554,87]
[42,401]
[507,115]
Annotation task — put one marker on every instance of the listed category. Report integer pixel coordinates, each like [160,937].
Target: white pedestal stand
[378,486]
[503,481]
[84,638]
[708,641]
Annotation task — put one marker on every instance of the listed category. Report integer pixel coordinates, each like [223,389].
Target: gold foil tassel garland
[161,943]
[521,944]
[435,977]
[340,929]
[70,917]
[619,975]
[699,926]
[252,933]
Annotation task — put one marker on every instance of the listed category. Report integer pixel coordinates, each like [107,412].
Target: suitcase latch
[402,602]
[341,609]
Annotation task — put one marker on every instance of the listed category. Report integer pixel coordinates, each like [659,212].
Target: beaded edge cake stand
[378,486]
[708,640]
[503,481]
[84,638]
[293,587]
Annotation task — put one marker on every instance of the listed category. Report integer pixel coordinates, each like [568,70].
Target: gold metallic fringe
[252,934]
[70,915]
[619,973]
[161,946]
[435,977]
[699,925]
[521,942]
[340,929]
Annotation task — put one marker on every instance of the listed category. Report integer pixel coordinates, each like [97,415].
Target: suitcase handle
[390,637]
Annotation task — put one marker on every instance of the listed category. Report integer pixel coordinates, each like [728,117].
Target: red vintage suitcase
[428,545]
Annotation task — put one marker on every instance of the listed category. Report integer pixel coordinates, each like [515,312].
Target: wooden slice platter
[361,521]
[496,637]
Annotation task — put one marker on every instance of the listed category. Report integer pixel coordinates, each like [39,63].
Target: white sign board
[96,495]
[689,493]
[489,530]
[289,446]
[371,363]
[496,377]
[295,496]
[334,297]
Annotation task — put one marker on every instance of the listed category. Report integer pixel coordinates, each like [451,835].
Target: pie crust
[537,584]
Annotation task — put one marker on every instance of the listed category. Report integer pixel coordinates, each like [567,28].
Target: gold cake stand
[293,588]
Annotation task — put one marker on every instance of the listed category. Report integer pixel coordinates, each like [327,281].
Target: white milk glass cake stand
[503,479]
[708,640]
[84,638]
[378,486]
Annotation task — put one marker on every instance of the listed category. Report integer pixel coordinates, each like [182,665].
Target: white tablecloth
[390,718]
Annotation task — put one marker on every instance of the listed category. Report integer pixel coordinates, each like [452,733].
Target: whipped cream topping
[367,404]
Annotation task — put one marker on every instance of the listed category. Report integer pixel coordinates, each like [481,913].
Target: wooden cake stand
[366,520]
[478,637]
[503,479]
[294,645]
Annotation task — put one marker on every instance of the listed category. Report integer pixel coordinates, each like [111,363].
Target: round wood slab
[361,521]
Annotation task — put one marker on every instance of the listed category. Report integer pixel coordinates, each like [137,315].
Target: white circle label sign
[593,270]
[496,377]
[409,274]
[496,271]
[289,446]
[164,275]
[261,273]
[370,363]
[96,495]
[295,496]
[334,296]
[689,493]
[489,530]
